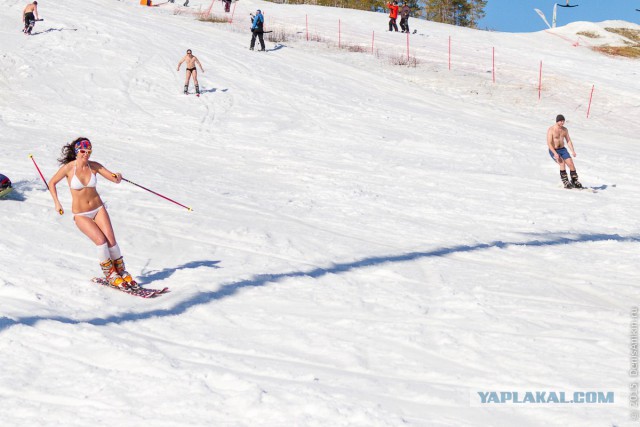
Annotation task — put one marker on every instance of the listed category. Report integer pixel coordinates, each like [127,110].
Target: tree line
[464,13]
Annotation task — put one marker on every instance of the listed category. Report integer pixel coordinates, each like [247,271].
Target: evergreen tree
[464,13]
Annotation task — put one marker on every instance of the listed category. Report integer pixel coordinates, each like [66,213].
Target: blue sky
[519,16]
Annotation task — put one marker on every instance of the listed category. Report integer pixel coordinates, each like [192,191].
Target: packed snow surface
[371,243]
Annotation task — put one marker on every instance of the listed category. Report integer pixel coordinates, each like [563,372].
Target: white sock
[103,252]
[114,252]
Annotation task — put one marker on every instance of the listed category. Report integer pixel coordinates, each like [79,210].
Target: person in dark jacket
[405,11]
[257,23]
[393,15]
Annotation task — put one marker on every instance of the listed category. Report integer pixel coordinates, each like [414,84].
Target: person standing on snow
[405,11]
[393,15]
[89,212]
[257,30]
[556,135]
[28,17]
[191,61]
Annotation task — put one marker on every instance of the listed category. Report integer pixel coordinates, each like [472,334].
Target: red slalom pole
[407,46]
[373,36]
[590,98]
[339,34]
[232,12]
[540,81]
[157,194]
[493,55]
[449,53]
[42,176]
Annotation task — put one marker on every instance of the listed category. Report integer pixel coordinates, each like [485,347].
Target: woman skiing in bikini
[89,212]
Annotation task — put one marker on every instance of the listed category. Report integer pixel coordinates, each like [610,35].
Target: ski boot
[186,89]
[111,274]
[574,180]
[120,269]
[565,180]
[197,90]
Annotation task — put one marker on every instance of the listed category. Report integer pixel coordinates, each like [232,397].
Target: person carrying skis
[191,61]
[29,18]
[393,15]
[89,212]
[405,11]
[556,136]
[257,30]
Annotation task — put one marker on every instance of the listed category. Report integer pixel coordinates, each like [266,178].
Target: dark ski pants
[392,24]
[29,22]
[404,24]
[260,36]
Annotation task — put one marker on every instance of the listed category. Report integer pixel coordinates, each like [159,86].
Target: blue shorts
[562,152]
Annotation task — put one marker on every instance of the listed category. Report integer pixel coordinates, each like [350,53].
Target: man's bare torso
[190,61]
[558,135]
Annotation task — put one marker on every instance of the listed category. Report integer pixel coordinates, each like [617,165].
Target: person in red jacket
[393,15]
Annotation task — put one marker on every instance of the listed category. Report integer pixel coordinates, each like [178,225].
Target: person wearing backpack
[257,30]
[405,11]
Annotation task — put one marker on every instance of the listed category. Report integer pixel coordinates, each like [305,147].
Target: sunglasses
[84,151]
[188,52]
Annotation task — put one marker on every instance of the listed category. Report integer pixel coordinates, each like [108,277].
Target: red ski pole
[42,176]
[157,194]
[36,165]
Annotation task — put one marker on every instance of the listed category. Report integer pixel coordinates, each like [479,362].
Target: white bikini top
[75,183]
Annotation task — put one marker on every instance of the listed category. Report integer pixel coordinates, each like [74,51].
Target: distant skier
[393,15]
[257,30]
[89,212]
[29,18]
[556,136]
[191,71]
[405,11]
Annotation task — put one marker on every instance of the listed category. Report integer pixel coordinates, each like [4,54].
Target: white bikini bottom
[91,214]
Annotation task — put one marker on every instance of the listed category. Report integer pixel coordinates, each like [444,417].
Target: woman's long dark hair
[69,151]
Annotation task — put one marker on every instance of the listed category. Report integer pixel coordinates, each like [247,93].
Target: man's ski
[135,289]
[587,189]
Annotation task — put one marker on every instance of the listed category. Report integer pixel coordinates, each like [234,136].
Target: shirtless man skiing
[191,71]
[29,18]
[556,136]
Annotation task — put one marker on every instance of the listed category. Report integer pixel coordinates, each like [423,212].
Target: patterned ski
[135,290]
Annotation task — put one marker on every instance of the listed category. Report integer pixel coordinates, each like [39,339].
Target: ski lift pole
[157,194]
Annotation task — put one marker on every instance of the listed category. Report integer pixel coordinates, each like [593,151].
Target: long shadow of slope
[148,278]
[230,289]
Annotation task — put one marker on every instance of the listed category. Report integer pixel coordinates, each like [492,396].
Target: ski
[135,289]
[587,189]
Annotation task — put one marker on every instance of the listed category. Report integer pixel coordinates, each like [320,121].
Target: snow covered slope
[371,244]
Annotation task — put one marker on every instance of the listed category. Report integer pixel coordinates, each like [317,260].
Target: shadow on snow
[230,289]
